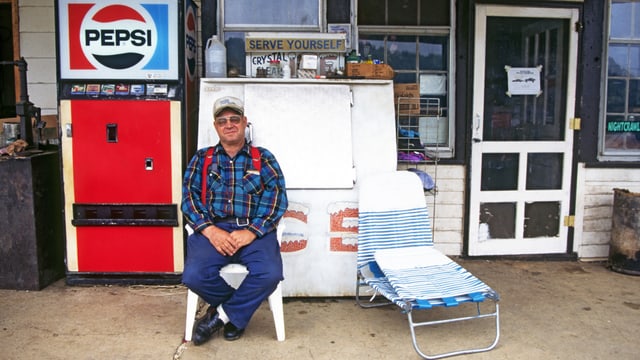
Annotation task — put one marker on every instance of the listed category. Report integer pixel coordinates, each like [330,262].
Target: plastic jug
[215,58]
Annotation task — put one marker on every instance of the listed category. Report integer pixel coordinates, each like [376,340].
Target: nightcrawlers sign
[110,39]
[623,126]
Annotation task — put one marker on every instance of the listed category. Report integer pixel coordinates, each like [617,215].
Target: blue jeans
[202,274]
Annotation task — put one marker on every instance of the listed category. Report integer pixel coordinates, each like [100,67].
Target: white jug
[215,58]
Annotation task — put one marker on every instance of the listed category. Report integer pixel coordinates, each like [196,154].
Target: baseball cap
[228,102]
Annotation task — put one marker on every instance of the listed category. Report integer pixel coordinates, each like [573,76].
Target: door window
[525,43]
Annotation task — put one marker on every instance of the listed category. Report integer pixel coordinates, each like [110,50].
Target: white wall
[38,47]
[449,210]
[594,207]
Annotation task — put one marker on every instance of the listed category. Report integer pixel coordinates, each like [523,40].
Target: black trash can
[31,221]
[624,249]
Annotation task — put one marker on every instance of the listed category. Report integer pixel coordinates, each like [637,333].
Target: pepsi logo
[190,41]
[118,36]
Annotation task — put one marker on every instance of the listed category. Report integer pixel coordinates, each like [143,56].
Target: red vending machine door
[123,162]
[122,151]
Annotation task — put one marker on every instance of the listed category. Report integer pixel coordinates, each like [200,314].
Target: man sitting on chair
[233,209]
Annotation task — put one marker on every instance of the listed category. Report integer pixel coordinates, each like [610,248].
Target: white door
[521,153]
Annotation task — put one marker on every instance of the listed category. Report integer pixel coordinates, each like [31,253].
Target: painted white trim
[578,228]
[176,183]
[68,179]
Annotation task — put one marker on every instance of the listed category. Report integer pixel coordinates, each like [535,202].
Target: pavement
[548,310]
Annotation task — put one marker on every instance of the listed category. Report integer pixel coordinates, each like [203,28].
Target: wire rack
[418,129]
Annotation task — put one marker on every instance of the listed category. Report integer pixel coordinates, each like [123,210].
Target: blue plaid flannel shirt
[234,189]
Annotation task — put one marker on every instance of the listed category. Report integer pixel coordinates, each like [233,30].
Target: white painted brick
[597,224]
[37,19]
[596,237]
[449,197]
[448,237]
[44,97]
[449,211]
[597,206]
[38,45]
[594,251]
[41,70]
[449,224]
[449,249]
[597,212]
[41,3]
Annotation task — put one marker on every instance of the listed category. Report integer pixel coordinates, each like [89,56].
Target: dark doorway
[7,73]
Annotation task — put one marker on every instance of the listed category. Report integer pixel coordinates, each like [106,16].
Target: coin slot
[112,133]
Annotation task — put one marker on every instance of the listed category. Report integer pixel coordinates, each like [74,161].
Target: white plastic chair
[234,274]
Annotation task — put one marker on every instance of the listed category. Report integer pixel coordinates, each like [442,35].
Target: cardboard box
[49,132]
[370,71]
[407,98]
[50,120]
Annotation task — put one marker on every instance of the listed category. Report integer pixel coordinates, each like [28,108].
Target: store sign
[295,42]
[190,42]
[113,39]
[623,126]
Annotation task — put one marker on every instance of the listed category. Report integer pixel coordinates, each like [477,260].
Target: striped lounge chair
[397,259]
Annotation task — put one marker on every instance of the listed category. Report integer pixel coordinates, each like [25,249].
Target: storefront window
[234,41]
[620,130]
[241,16]
[283,13]
[413,37]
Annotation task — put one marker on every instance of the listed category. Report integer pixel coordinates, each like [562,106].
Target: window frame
[223,29]
[443,151]
[448,151]
[605,154]
[271,28]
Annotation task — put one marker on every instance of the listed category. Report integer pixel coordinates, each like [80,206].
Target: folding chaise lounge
[397,259]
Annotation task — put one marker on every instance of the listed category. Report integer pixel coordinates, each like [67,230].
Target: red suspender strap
[255,157]
[205,168]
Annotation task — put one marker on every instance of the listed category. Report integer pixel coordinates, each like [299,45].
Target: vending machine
[128,110]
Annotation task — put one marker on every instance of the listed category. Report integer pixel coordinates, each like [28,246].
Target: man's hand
[221,240]
[242,237]
[226,243]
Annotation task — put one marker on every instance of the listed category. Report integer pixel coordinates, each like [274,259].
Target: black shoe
[206,326]
[231,332]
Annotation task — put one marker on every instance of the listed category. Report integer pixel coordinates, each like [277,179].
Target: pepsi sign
[190,41]
[118,40]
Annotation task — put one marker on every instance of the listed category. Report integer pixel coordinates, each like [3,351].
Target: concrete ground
[549,310]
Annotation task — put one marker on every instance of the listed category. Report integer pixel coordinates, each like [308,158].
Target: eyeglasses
[222,121]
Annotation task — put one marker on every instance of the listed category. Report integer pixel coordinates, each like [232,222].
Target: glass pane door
[522,147]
